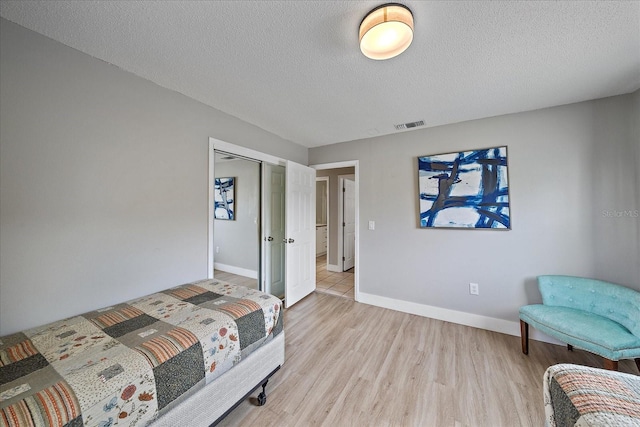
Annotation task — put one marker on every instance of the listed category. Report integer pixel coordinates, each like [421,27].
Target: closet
[283,229]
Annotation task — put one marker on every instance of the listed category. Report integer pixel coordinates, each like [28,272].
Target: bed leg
[569,347]
[524,334]
[262,397]
[611,365]
[638,363]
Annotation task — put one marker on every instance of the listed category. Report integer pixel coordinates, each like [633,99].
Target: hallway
[333,283]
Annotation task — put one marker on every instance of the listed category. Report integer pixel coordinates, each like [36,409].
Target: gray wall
[103,181]
[103,193]
[334,193]
[615,181]
[239,241]
[566,165]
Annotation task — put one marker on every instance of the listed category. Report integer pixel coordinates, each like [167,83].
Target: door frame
[356,166]
[218,145]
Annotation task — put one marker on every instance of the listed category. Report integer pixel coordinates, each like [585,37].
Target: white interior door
[274,231]
[349,224]
[300,232]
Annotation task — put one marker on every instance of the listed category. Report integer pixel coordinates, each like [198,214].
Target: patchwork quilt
[581,396]
[127,364]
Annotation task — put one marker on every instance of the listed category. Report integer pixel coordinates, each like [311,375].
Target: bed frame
[211,404]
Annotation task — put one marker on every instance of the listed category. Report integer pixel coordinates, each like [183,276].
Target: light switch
[372,225]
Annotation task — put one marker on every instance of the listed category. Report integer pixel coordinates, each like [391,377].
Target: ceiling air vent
[404,126]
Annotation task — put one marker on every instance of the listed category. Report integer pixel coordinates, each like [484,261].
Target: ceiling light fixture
[386,31]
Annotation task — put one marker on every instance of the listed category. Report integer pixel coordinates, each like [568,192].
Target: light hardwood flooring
[352,364]
[333,283]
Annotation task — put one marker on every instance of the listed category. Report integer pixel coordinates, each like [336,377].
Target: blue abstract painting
[469,189]
[224,198]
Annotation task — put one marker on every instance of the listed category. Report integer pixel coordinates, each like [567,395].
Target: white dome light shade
[386,31]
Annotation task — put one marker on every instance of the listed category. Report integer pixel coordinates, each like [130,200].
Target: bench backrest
[615,302]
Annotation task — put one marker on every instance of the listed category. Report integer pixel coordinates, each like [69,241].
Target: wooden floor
[351,364]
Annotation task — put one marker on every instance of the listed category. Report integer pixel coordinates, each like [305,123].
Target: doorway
[337,269]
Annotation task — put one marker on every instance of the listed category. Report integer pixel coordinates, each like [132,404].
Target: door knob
[291,240]
[270,239]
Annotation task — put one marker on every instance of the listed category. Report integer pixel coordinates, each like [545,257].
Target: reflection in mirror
[236,244]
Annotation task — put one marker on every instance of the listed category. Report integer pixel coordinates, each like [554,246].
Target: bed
[192,352]
[581,396]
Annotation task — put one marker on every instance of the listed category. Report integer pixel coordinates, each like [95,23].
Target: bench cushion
[615,302]
[584,330]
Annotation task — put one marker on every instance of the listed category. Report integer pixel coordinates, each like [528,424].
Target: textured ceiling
[294,68]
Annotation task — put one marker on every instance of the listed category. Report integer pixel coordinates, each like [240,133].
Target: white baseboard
[334,268]
[236,270]
[468,319]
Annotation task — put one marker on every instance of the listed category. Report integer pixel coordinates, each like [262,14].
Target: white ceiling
[294,68]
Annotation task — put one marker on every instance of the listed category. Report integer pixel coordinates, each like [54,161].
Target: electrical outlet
[217,249]
[372,225]
[474,289]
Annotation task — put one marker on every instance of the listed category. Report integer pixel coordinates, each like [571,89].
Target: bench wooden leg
[524,334]
[611,365]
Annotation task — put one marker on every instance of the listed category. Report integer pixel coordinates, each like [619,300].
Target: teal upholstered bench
[593,315]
